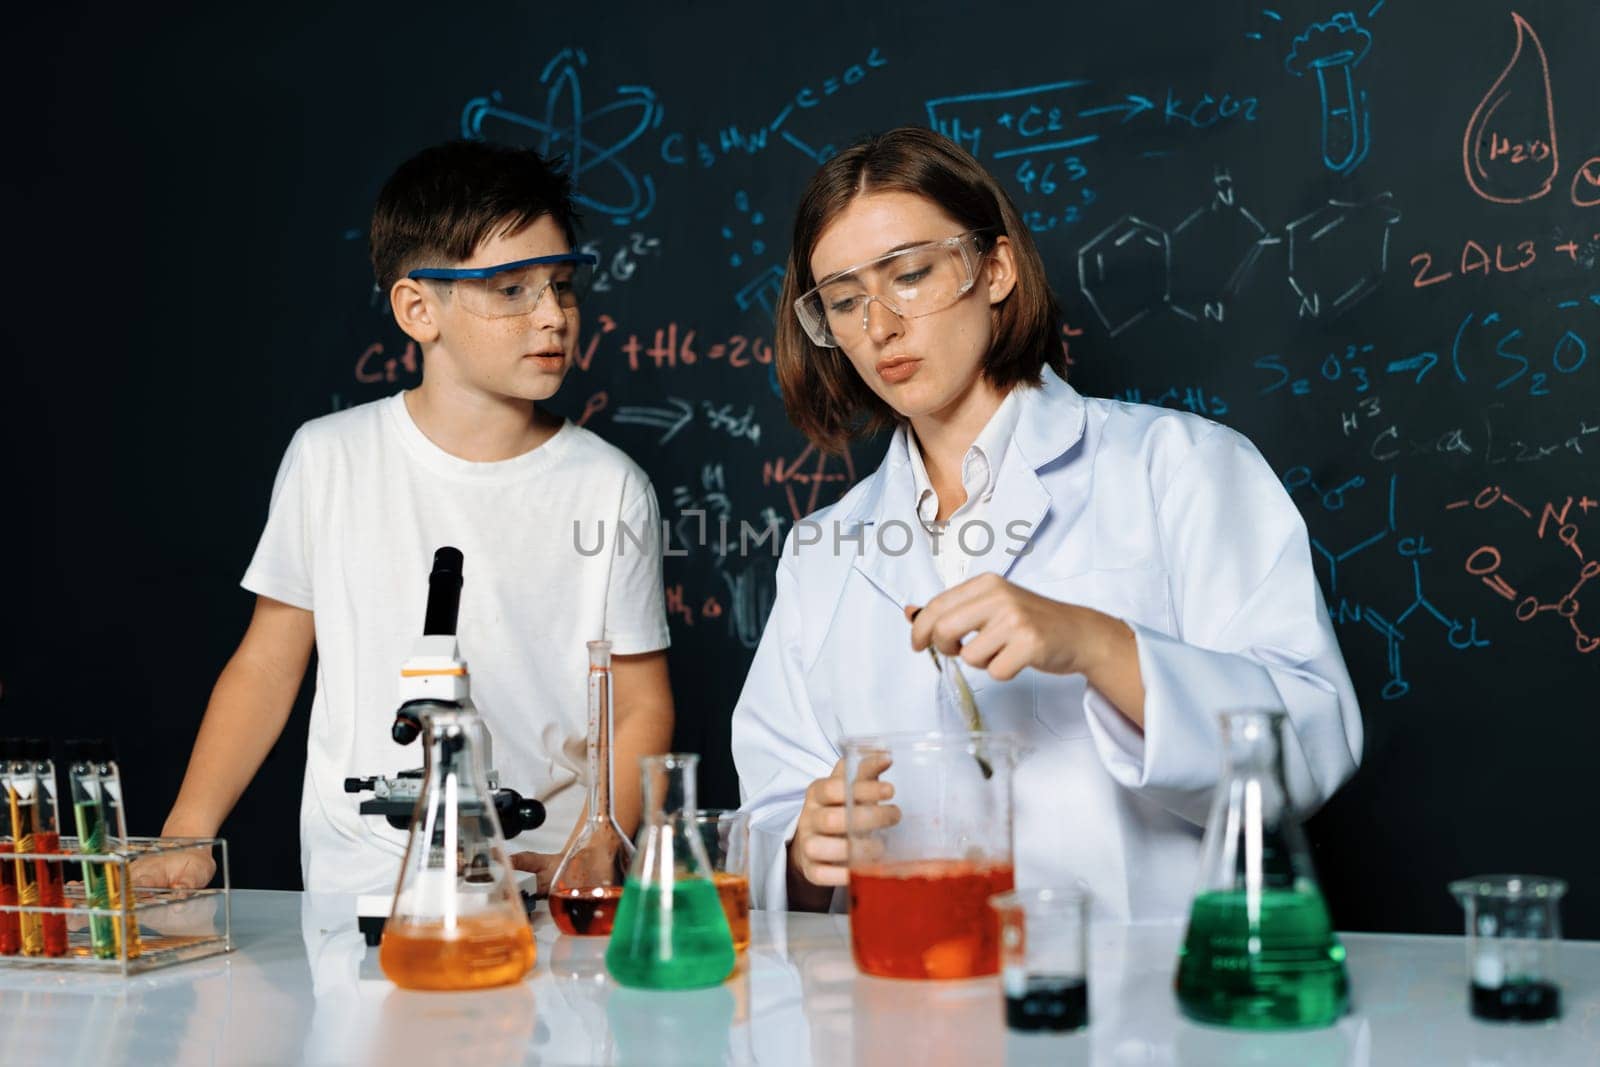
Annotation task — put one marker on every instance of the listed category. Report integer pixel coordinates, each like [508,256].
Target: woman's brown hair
[823,395]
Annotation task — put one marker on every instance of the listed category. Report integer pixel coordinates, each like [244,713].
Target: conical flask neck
[455,866]
[669,788]
[451,751]
[1252,744]
[1253,839]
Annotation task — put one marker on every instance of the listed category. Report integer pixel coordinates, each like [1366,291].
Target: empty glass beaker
[457,921]
[670,931]
[1044,958]
[925,859]
[1513,933]
[587,886]
[1260,952]
[726,835]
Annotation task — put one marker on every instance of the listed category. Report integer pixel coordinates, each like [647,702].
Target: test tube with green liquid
[89,814]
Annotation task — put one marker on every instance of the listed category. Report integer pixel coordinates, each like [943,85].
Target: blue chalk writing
[1189,398]
[603,183]
[1332,50]
[1412,548]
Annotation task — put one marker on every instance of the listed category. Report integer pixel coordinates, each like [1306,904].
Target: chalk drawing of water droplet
[1509,152]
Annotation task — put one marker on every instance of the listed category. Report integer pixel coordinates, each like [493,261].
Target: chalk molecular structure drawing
[591,141]
[1337,254]
[1460,635]
[1484,562]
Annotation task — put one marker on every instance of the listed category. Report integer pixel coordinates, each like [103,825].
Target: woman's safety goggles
[909,282]
[516,288]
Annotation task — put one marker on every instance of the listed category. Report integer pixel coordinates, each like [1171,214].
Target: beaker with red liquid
[925,860]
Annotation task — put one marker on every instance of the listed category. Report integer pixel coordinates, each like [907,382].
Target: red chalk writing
[672,346]
[681,608]
[373,366]
[1509,151]
[808,473]
[1555,522]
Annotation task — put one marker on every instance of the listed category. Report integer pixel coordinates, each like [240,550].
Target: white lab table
[302,987]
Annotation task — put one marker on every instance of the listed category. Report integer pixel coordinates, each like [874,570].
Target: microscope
[435,675]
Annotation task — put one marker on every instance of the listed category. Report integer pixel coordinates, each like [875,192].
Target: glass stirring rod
[964,698]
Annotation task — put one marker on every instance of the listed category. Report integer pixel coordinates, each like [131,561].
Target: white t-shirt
[361,501]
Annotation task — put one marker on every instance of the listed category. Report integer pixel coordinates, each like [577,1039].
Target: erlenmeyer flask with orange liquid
[457,922]
[587,886]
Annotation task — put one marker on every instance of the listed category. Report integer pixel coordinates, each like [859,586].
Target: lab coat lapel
[1018,507]
[895,556]
[1049,425]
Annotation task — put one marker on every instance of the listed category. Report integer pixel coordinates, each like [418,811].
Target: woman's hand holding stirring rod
[1013,628]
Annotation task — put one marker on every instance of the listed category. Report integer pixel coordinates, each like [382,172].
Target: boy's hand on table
[190,869]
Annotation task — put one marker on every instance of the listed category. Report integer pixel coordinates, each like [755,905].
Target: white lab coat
[1163,519]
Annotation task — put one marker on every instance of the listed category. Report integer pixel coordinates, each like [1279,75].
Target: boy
[468,458]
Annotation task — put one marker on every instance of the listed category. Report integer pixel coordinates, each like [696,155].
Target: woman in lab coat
[1111,575]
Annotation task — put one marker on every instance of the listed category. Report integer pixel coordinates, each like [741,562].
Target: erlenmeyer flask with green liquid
[670,931]
[1260,952]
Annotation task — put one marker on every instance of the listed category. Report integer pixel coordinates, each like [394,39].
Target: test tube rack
[171,925]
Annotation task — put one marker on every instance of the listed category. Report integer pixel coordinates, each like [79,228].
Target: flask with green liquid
[670,931]
[1260,952]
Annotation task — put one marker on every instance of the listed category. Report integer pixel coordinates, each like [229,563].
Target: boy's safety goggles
[516,288]
[909,282]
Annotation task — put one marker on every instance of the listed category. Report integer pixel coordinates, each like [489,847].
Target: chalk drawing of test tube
[1332,50]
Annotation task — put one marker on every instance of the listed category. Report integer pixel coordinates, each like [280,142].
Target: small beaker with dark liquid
[1513,931]
[1044,957]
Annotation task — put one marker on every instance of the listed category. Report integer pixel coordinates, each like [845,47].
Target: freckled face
[521,356]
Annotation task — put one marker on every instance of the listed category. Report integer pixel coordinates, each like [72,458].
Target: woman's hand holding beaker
[819,850]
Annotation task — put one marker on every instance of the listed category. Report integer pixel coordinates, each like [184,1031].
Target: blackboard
[1365,237]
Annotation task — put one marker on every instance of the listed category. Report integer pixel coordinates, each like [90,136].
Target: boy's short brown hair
[824,397]
[445,201]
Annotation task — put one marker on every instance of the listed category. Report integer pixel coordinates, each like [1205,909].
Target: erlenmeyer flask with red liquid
[587,886]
